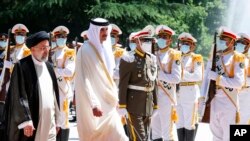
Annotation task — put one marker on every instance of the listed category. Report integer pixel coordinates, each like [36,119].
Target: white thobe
[48,108]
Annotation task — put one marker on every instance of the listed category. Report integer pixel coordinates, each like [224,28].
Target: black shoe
[73,119]
[189,135]
[63,135]
[160,139]
[181,134]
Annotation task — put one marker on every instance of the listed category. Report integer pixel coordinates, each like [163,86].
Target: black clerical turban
[36,38]
[99,22]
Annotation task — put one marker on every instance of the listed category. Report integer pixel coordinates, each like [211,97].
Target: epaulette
[238,57]
[128,56]
[26,52]
[197,58]
[119,52]
[69,52]
[176,55]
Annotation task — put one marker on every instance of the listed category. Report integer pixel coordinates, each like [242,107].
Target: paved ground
[203,134]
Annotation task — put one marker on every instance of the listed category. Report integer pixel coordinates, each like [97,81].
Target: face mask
[112,40]
[185,49]
[240,47]
[146,46]
[132,46]
[53,45]
[161,43]
[3,44]
[221,45]
[61,42]
[20,39]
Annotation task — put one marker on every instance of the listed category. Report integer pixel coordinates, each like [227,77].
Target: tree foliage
[199,17]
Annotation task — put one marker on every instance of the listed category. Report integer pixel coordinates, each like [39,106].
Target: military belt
[140,88]
[189,83]
[245,87]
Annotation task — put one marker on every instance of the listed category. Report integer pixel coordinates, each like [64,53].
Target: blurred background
[199,17]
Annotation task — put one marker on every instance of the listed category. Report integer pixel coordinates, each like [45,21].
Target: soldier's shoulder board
[239,57]
[69,52]
[176,55]
[197,58]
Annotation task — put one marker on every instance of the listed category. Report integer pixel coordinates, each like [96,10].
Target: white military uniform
[169,75]
[19,51]
[225,103]
[187,97]
[244,95]
[229,77]
[64,63]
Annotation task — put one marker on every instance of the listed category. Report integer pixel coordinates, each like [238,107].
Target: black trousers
[138,127]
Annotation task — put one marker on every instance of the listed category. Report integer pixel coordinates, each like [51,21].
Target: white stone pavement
[203,134]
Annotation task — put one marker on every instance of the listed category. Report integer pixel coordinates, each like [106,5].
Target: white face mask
[240,47]
[132,46]
[161,43]
[112,41]
[61,42]
[146,46]
[20,39]
[3,44]
[185,49]
[222,45]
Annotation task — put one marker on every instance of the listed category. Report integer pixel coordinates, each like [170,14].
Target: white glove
[161,74]
[201,106]
[122,111]
[212,75]
[155,111]
[8,64]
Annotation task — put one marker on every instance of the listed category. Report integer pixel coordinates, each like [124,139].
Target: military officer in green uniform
[137,86]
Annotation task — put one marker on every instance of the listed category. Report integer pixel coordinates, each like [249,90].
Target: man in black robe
[25,99]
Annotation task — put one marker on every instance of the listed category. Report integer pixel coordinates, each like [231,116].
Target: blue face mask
[112,40]
[222,45]
[53,44]
[132,46]
[3,44]
[240,47]
[20,39]
[161,43]
[185,49]
[61,42]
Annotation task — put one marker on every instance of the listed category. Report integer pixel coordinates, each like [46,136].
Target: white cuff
[24,124]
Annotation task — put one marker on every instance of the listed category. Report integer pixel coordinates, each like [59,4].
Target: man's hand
[212,75]
[57,129]
[8,64]
[122,111]
[28,130]
[97,112]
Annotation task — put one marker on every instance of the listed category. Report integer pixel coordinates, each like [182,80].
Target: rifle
[50,44]
[6,72]
[178,84]
[211,87]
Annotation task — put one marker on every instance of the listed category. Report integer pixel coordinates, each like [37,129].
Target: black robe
[22,102]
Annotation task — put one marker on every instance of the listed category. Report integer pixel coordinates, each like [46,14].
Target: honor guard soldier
[20,50]
[169,74]
[118,51]
[63,59]
[229,77]
[189,91]
[137,85]
[3,45]
[242,46]
[84,36]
